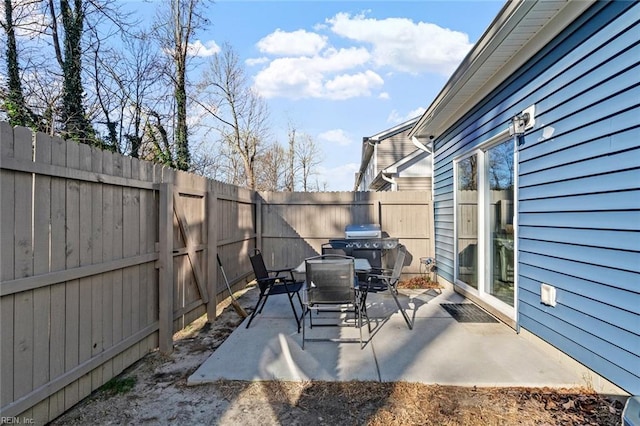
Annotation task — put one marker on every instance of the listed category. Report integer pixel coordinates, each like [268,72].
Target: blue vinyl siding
[579,188]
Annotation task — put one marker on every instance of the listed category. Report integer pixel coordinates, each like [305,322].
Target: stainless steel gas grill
[366,241]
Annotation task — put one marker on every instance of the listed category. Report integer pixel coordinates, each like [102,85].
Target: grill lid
[370,230]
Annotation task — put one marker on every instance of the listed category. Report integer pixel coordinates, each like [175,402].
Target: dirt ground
[154,391]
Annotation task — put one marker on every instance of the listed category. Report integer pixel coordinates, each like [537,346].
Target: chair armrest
[277,271]
[268,281]
[289,270]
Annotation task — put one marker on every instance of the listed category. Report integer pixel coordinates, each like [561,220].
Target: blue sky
[340,71]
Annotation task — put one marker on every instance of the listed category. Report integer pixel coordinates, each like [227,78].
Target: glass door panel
[467,220]
[499,166]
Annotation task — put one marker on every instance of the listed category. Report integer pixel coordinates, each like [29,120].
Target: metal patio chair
[387,279]
[331,285]
[272,282]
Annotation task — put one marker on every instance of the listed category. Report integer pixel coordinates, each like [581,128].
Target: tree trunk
[73,115]
[14,102]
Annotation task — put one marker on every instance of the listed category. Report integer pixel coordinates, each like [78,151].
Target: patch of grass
[119,385]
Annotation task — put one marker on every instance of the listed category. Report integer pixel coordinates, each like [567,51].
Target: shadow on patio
[439,350]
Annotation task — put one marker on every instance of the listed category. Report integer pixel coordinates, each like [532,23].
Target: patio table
[360,265]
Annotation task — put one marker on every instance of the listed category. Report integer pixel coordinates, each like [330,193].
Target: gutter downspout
[429,150]
[383,175]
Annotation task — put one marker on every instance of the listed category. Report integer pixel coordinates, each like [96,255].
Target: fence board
[41,296]
[57,325]
[72,293]
[23,267]
[127,249]
[151,221]
[97,207]
[143,272]
[134,351]
[7,224]
[107,255]
[6,349]
[212,252]
[117,276]
[85,283]
[165,303]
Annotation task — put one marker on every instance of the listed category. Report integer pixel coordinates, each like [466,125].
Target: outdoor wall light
[518,124]
[522,121]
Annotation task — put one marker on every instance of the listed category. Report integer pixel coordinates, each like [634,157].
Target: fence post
[212,252]
[258,221]
[165,291]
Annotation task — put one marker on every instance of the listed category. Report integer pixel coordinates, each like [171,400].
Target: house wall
[579,188]
[386,152]
[414,184]
[393,149]
[369,173]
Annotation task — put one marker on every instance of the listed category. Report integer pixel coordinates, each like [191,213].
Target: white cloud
[203,50]
[305,64]
[296,43]
[336,136]
[403,44]
[347,86]
[256,61]
[396,117]
[308,77]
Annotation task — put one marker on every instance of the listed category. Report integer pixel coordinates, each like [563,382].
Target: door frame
[482,255]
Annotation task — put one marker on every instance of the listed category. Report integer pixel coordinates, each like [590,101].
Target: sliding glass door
[484,229]
[499,172]
[467,220]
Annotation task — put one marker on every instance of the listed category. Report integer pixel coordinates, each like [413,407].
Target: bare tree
[307,157]
[272,174]
[127,83]
[225,94]
[175,29]
[291,171]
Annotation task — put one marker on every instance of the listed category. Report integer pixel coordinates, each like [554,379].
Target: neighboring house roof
[368,144]
[519,30]
[404,163]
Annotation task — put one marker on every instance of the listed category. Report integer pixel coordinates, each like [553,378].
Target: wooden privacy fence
[294,225]
[103,257]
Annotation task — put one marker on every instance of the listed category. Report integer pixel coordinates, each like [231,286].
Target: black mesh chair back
[331,284]
[330,280]
[272,282]
[259,268]
[388,279]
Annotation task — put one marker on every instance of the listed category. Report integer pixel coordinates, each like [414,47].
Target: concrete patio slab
[438,349]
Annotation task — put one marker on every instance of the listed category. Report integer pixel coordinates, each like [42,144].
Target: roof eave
[459,95]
